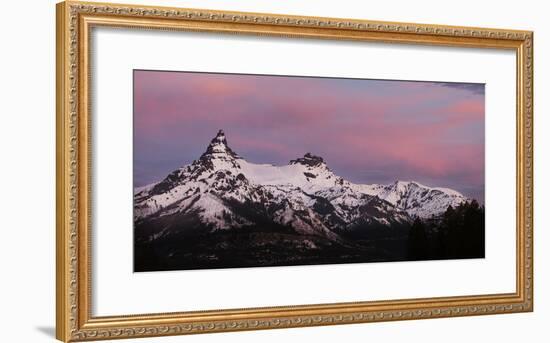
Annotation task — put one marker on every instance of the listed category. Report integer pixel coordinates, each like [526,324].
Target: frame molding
[75,21]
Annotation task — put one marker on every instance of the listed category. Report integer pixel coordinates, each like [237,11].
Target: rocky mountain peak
[218,147]
[309,160]
[220,137]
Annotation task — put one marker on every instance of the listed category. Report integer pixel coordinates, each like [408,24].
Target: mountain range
[303,204]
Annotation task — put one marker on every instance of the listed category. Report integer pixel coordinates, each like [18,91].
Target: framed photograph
[223,171]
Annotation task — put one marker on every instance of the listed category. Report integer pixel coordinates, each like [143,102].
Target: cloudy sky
[368,131]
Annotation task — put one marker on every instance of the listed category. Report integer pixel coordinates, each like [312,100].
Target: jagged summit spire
[218,146]
[220,136]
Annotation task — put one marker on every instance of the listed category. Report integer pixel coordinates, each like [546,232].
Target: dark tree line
[459,233]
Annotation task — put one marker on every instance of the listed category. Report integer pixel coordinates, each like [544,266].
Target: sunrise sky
[368,131]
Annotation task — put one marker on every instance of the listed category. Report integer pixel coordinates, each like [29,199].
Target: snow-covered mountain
[419,200]
[223,191]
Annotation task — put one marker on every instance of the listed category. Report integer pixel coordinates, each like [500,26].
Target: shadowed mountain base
[258,248]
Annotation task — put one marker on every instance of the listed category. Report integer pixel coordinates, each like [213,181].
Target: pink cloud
[421,129]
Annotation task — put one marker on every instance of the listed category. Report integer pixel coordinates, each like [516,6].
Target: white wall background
[27,169]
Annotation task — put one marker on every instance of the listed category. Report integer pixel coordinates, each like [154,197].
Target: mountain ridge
[223,211]
[309,173]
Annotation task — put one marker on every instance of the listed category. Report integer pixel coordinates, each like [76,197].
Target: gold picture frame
[74,321]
